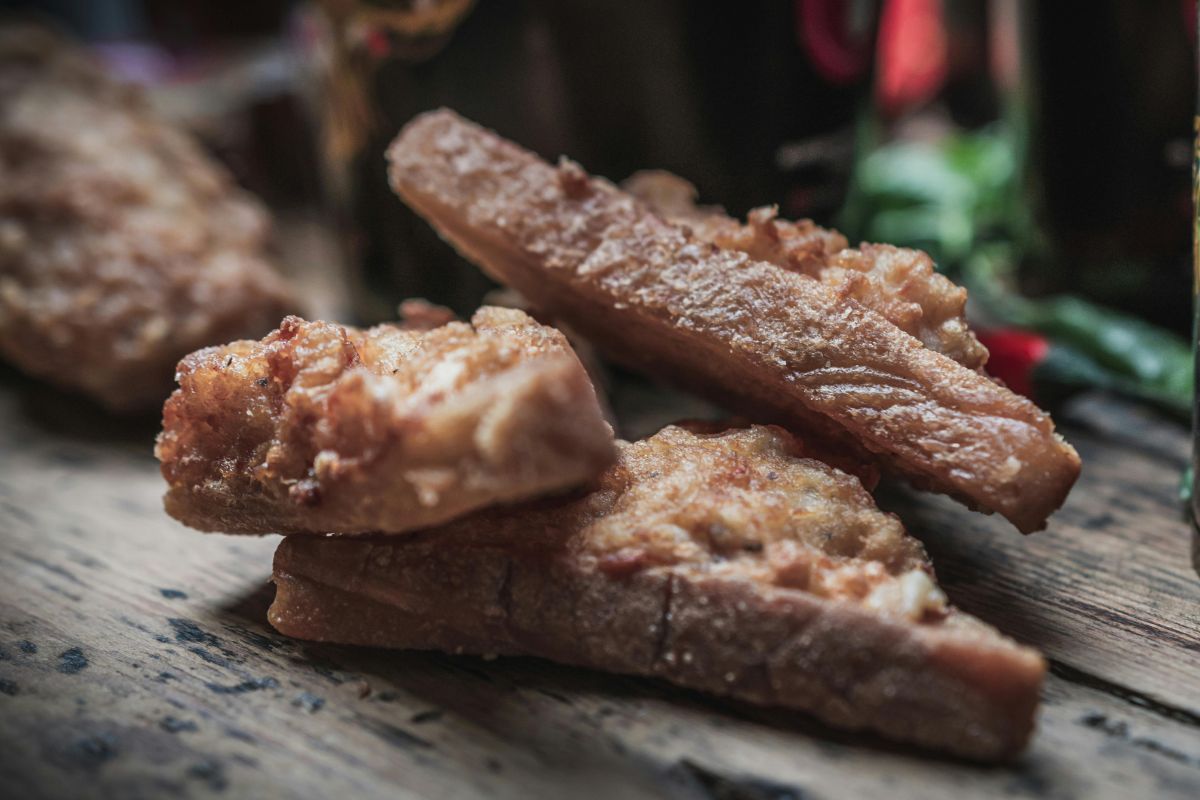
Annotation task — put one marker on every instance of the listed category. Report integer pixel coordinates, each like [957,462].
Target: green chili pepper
[1106,349]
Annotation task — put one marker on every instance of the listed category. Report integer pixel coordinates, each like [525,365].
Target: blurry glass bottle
[1108,92]
[1193,491]
[755,104]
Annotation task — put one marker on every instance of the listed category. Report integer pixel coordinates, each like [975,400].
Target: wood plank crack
[1135,698]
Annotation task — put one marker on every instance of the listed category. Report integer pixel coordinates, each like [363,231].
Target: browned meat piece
[122,245]
[770,344]
[322,428]
[421,315]
[721,562]
[898,283]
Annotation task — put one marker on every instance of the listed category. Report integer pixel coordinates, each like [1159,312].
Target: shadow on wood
[489,692]
[48,410]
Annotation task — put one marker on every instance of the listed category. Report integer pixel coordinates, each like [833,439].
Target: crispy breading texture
[122,245]
[772,345]
[723,562]
[321,428]
[900,284]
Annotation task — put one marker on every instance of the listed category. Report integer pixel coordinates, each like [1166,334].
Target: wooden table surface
[136,660]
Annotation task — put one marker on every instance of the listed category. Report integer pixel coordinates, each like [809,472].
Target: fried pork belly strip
[321,427]
[123,246]
[721,562]
[770,344]
[900,284]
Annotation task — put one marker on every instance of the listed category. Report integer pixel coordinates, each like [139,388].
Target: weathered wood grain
[1109,588]
[135,660]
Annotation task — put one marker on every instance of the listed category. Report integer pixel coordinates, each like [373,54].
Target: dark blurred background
[1035,149]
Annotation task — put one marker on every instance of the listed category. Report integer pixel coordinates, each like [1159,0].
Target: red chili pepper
[913,60]
[1014,355]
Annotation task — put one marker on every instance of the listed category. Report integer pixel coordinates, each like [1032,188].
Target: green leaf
[913,174]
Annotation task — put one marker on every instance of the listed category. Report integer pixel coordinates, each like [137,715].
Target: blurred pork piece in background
[123,246]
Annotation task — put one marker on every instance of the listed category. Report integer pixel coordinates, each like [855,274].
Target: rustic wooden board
[1110,589]
[135,659]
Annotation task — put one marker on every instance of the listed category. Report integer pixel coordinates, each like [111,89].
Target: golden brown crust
[122,245]
[721,562]
[773,345]
[321,427]
[899,284]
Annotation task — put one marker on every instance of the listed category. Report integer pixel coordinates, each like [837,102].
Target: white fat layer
[910,596]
